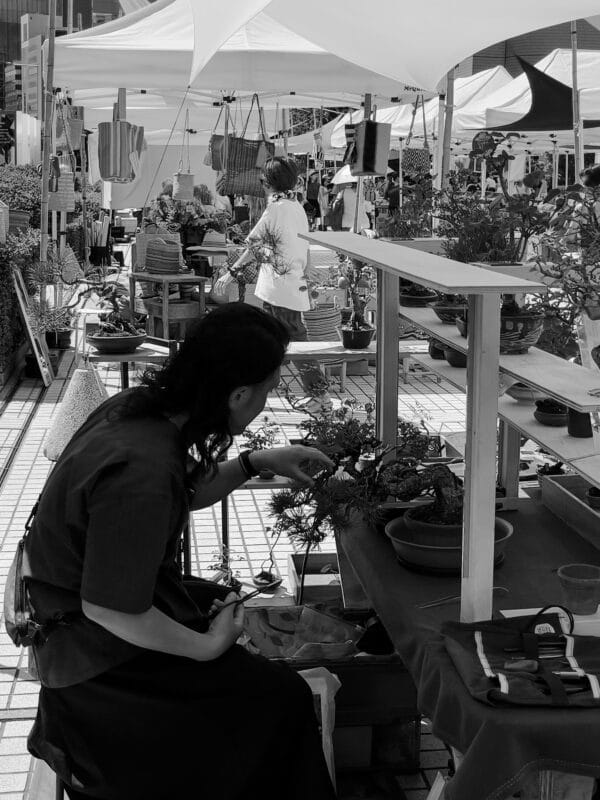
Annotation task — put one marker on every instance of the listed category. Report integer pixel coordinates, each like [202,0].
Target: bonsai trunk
[303,575]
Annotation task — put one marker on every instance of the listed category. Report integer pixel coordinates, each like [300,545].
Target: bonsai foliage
[264,437]
[413,218]
[119,321]
[48,319]
[407,482]
[358,279]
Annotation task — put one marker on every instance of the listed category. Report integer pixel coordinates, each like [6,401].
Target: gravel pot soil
[518,332]
[436,350]
[410,300]
[353,339]
[551,413]
[454,357]
[579,424]
[128,343]
[447,312]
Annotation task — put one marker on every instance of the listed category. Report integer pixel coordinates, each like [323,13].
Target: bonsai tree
[119,321]
[358,486]
[358,279]
[262,438]
[413,218]
[437,481]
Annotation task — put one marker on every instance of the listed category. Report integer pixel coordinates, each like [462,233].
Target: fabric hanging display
[416,159]
[215,157]
[245,160]
[63,199]
[83,395]
[183,182]
[532,660]
[372,148]
[120,147]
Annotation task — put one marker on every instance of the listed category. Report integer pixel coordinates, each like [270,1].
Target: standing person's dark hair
[281,174]
[236,344]
[591,177]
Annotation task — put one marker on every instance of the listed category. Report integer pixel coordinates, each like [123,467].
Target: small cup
[580,585]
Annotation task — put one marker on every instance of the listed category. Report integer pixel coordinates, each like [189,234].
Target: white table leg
[509,458]
[386,401]
[480,474]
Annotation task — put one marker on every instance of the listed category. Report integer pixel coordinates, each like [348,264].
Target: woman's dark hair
[234,345]
[281,173]
[591,177]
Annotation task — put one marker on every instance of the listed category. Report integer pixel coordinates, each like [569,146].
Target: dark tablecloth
[501,745]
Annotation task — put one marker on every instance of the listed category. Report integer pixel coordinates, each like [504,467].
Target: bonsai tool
[453,598]
[243,599]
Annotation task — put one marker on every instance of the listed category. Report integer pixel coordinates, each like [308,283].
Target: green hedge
[20,187]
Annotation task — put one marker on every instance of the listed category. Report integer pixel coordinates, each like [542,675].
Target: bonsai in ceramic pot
[436,350]
[449,306]
[454,357]
[416,296]
[119,331]
[53,323]
[520,326]
[523,393]
[262,438]
[550,412]
[356,334]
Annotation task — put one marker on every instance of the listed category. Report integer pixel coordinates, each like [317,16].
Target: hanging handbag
[416,159]
[183,182]
[526,661]
[120,146]
[215,157]
[63,199]
[83,395]
[245,160]
[372,148]
[18,612]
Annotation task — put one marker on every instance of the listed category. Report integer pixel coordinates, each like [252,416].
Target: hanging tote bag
[120,147]
[215,157]
[63,199]
[18,611]
[183,182]
[372,150]
[245,160]
[416,159]
[84,394]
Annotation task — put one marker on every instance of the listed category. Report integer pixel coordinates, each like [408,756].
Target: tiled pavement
[24,420]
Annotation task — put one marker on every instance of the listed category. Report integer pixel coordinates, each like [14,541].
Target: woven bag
[215,157]
[245,160]
[416,159]
[63,199]
[322,324]
[163,256]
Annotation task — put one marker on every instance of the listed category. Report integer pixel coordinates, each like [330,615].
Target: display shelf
[560,379]
[569,449]
[442,274]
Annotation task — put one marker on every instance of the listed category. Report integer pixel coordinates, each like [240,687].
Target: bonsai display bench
[165,280]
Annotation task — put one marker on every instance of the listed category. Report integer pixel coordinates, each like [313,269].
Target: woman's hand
[291,462]
[228,624]
[223,282]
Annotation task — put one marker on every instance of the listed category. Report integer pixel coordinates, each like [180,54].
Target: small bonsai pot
[523,393]
[59,340]
[267,581]
[551,413]
[436,350]
[593,497]
[447,312]
[454,357]
[579,424]
[417,298]
[266,475]
[461,324]
[356,338]
[519,332]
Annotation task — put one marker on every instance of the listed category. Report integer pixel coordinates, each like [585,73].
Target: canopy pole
[285,124]
[555,166]
[47,144]
[447,128]
[400,175]
[577,123]
[359,180]
[483,177]
[440,140]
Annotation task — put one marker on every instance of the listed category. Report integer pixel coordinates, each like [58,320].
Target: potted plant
[429,536]
[413,218]
[593,497]
[436,350]
[416,296]
[357,277]
[262,438]
[119,331]
[550,412]
[520,325]
[523,393]
[449,306]
[454,357]
[579,424]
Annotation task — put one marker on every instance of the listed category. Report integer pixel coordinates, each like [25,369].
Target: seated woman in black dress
[143,697]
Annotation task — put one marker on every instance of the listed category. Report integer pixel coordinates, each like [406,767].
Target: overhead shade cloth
[551,104]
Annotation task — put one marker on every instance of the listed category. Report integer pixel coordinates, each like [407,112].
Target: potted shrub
[448,307]
[356,333]
[550,412]
[118,330]
[429,536]
[262,438]
[416,296]
[520,326]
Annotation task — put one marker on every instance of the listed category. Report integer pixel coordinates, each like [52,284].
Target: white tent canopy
[310,46]
[467,90]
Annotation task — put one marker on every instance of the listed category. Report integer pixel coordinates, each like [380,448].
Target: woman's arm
[154,630]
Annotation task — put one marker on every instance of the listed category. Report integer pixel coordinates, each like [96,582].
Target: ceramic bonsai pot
[518,332]
[593,497]
[436,350]
[409,300]
[356,339]
[579,424]
[128,343]
[436,534]
[454,357]
[551,413]
[447,312]
[524,394]
[461,324]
